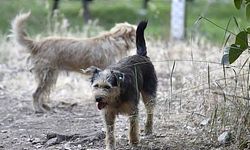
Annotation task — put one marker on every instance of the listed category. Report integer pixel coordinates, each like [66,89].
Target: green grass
[109,12]
[219,13]
[10,8]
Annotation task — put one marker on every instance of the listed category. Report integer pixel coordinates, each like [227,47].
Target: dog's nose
[98,99]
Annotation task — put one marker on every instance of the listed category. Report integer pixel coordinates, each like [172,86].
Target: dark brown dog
[117,90]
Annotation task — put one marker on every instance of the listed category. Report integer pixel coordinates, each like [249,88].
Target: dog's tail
[19,33]
[140,40]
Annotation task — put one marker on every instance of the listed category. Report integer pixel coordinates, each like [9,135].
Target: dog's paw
[110,148]
[46,107]
[134,142]
[148,132]
[135,146]
[42,109]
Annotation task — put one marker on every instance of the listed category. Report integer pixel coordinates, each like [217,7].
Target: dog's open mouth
[101,105]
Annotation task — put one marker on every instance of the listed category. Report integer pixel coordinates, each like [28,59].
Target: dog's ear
[91,70]
[119,77]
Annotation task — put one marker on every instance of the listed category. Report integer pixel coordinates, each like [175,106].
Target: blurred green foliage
[109,12]
[241,39]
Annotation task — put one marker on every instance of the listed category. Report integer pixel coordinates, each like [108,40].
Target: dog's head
[105,85]
[125,32]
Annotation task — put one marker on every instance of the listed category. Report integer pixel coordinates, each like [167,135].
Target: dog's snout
[98,99]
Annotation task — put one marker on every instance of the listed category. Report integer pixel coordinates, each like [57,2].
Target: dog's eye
[96,85]
[107,87]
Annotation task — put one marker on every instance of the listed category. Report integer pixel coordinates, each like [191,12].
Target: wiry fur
[54,54]
[117,90]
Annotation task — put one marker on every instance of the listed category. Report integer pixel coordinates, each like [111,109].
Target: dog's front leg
[110,125]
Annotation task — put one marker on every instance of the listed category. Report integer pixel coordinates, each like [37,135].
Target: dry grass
[200,87]
[193,86]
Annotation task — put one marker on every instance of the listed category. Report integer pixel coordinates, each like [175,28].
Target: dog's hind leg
[149,102]
[37,99]
[134,128]
[46,79]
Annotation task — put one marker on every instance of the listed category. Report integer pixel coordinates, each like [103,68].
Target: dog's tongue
[100,105]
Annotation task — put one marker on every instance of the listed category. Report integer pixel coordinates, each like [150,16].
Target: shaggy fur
[117,90]
[51,55]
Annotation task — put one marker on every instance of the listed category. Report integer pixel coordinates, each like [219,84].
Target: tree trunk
[145,4]
[54,7]
[178,19]
[86,12]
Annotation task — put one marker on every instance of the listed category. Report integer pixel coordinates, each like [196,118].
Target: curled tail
[140,40]
[18,32]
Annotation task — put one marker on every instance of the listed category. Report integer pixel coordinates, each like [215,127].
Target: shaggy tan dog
[51,55]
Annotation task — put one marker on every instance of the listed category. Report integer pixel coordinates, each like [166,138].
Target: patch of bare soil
[76,123]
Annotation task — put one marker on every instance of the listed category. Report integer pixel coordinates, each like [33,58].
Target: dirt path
[176,123]
[79,125]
